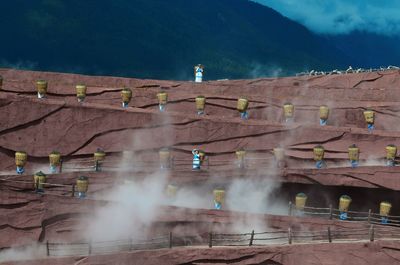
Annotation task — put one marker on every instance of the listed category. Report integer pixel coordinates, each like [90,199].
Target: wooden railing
[289,236]
[332,213]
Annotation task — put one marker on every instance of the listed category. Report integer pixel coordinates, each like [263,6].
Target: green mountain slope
[158,38]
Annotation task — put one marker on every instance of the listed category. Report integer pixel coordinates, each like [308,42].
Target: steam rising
[134,207]
[253,197]
[33,251]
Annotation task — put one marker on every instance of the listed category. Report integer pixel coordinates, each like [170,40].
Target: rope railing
[302,236]
[103,247]
[53,188]
[89,164]
[355,216]
[289,236]
[112,164]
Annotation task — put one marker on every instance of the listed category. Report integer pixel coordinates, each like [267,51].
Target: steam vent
[109,170]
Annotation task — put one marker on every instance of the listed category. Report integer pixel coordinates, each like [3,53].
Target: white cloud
[341,16]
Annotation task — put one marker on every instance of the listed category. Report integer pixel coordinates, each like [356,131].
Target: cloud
[341,16]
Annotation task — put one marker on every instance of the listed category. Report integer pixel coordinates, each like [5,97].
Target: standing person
[196,159]
[198,73]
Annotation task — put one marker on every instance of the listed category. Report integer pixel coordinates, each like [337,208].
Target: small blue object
[319,164]
[20,170]
[161,107]
[244,115]
[390,163]
[217,205]
[196,162]
[384,220]
[124,105]
[343,216]
[81,195]
[354,163]
[322,122]
[371,127]
[53,169]
[200,112]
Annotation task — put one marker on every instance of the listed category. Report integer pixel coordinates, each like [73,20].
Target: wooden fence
[275,237]
[291,236]
[104,247]
[332,213]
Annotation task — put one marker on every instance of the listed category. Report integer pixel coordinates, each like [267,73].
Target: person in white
[196,159]
[198,73]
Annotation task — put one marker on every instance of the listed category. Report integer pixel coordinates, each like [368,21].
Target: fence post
[290,235]
[371,233]
[329,235]
[90,247]
[131,244]
[170,239]
[73,190]
[251,238]
[369,216]
[210,240]
[61,162]
[290,208]
[330,212]
[47,248]
[96,166]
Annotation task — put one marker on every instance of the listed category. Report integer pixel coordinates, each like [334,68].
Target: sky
[342,16]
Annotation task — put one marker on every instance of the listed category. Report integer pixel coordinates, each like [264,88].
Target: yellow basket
[162,98]
[369,116]
[82,184]
[240,154]
[99,155]
[323,112]
[344,203]
[288,110]
[219,196]
[20,158]
[80,91]
[164,155]
[55,158]
[391,152]
[39,179]
[354,153]
[171,191]
[242,104]
[279,153]
[126,95]
[319,153]
[301,200]
[200,103]
[41,86]
[384,209]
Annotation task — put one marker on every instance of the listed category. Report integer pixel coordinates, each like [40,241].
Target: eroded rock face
[59,122]
[132,137]
[76,130]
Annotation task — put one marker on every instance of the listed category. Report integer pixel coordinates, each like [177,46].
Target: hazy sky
[342,16]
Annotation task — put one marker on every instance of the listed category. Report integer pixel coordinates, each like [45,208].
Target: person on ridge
[196,159]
